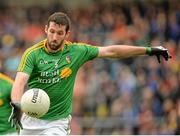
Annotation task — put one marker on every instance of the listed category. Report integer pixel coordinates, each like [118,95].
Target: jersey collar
[46,49]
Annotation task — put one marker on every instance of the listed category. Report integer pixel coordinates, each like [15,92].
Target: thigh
[30,132]
[60,127]
[32,126]
[54,131]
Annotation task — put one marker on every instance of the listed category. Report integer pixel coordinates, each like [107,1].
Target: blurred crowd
[131,96]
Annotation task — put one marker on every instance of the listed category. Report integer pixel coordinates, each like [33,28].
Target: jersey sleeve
[27,62]
[87,52]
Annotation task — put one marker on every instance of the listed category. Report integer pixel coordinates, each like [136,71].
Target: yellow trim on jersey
[46,49]
[67,42]
[29,51]
[6,78]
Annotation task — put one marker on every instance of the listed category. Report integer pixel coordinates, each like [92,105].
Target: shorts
[34,126]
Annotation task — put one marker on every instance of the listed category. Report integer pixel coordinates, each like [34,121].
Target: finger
[158,58]
[166,57]
[11,116]
[9,120]
[20,125]
[12,124]
[15,123]
[169,55]
[17,127]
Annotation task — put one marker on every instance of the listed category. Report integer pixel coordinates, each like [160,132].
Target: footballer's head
[57,30]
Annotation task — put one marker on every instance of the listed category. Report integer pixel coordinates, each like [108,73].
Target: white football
[35,102]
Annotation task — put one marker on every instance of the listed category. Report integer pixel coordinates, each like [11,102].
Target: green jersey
[55,73]
[5,108]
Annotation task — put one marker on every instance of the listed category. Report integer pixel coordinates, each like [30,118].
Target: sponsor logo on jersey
[43,62]
[49,77]
[66,72]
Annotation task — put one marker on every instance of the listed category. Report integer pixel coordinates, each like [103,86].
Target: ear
[67,34]
[46,29]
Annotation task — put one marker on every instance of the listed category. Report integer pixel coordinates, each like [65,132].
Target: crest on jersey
[68,59]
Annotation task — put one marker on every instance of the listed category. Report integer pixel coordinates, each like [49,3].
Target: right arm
[25,68]
[18,86]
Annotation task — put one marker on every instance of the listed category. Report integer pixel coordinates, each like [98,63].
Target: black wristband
[16,104]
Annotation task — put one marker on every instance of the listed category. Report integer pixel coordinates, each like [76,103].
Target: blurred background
[131,96]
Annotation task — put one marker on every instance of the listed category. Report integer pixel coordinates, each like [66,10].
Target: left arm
[126,51]
[120,51]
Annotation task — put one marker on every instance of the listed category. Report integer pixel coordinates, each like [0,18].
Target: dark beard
[54,46]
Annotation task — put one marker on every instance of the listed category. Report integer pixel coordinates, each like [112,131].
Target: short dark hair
[61,19]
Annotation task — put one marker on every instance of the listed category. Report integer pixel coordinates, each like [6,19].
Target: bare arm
[18,86]
[120,51]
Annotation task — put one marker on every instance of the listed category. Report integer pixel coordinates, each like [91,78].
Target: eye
[52,31]
[60,33]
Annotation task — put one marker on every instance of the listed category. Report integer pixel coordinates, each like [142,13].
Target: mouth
[54,45]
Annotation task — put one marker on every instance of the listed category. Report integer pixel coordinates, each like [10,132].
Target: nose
[55,36]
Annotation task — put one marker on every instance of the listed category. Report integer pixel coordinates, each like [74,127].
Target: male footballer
[5,108]
[52,65]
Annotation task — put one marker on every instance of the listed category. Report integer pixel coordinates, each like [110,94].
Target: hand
[158,51]
[15,117]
